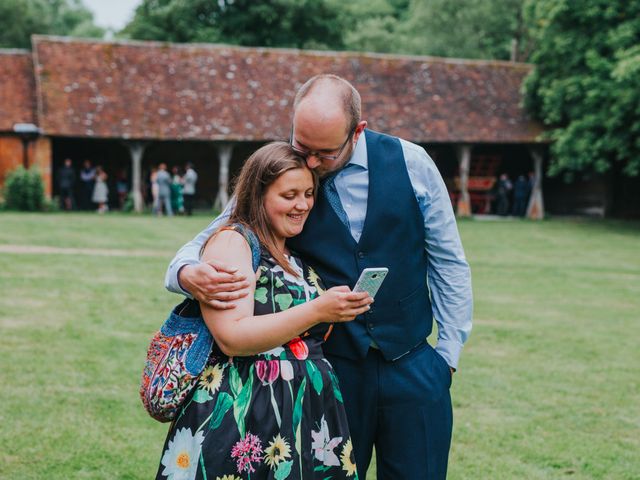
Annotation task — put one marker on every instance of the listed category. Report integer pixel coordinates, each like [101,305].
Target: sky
[113,14]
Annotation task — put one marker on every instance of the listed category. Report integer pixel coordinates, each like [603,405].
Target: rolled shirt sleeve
[189,254]
[448,273]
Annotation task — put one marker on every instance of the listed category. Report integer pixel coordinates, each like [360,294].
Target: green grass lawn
[548,386]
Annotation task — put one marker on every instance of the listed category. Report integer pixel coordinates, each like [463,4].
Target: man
[87,183]
[382,203]
[67,183]
[520,196]
[189,191]
[164,190]
[504,190]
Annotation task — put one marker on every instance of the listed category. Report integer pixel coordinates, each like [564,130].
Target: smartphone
[370,280]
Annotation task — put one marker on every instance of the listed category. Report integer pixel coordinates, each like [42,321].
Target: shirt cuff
[450,350]
[173,283]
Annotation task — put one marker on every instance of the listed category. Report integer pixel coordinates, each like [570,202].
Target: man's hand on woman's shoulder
[214,283]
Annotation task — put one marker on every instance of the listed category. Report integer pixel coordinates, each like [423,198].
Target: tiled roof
[17,91]
[151,90]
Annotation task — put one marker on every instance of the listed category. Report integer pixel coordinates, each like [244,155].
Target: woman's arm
[238,332]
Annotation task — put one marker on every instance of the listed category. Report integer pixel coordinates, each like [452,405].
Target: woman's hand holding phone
[340,304]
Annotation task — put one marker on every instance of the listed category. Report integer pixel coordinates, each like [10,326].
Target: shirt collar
[359,155]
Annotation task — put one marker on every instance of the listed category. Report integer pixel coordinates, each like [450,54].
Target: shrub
[24,190]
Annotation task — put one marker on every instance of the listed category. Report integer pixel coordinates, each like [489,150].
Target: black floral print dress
[277,415]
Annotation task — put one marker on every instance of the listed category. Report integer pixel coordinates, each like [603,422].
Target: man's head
[162,166]
[326,122]
[67,162]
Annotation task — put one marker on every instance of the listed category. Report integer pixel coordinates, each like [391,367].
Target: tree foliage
[273,23]
[19,19]
[586,83]
[463,29]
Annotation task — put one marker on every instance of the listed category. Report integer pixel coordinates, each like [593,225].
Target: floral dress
[277,415]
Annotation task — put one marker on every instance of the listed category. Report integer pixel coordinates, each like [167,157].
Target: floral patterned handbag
[179,352]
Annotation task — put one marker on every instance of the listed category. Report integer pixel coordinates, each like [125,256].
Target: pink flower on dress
[247,451]
[267,370]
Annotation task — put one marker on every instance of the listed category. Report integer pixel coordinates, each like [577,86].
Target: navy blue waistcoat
[392,237]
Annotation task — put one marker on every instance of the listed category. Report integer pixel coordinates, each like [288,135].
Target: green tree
[373,25]
[19,19]
[274,23]
[466,29]
[586,83]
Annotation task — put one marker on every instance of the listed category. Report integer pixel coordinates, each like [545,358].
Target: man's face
[324,142]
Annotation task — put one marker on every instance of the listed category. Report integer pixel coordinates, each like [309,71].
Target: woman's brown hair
[260,170]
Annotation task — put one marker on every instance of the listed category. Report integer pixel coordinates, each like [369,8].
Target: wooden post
[224,156]
[136,149]
[535,209]
[463,153]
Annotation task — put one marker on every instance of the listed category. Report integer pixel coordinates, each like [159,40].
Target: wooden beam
[535,209]
[136,150]
[225,151]
[463,153]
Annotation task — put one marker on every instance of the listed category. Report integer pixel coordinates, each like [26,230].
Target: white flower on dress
[180,460]
[275,351]
[323,445]
[286,370]
[309,290]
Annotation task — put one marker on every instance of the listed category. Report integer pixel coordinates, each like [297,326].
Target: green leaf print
[321,468]
[283,470]
[297,414]
[260,295]
[202,396]
[234,381]
[278,283]
[284,300]
[336,387]
[223,404]
[262,279]
[315,376]
[242,401]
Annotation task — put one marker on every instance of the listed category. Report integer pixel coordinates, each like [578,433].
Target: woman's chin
[295,230]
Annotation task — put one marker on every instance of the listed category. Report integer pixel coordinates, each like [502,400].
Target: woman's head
[274,193]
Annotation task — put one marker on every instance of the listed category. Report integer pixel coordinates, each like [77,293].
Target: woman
[101,191]
[268,405]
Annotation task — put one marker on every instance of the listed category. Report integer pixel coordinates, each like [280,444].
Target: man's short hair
[351,102]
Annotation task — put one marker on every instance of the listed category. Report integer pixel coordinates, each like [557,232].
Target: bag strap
[252,240]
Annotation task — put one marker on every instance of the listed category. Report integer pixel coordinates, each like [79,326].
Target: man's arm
[210,282]
[449,276]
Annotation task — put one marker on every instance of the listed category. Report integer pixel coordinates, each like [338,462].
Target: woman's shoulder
[239,233]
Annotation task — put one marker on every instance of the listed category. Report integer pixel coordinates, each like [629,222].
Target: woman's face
[287,202]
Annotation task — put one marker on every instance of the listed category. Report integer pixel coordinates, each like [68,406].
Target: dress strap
[250,237]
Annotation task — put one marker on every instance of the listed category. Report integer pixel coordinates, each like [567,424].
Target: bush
[24,190]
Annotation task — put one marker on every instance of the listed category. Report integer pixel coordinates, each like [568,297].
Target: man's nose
[313,161]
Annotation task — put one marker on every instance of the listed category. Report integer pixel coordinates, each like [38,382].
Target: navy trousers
[403,408]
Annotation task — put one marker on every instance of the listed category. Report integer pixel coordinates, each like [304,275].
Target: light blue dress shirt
[448,273]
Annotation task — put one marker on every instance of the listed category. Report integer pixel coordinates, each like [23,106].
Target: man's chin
[323,172]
